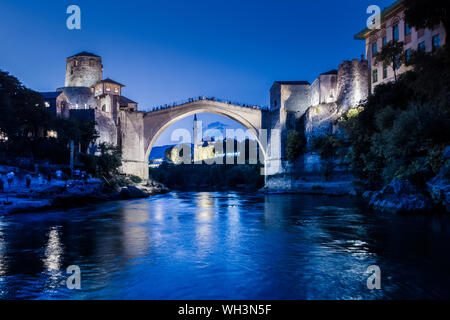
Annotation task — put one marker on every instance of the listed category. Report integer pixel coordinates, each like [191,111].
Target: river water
[224,245]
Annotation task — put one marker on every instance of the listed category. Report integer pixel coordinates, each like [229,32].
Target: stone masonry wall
[83,75]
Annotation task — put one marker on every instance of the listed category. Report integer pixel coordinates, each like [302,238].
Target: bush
[135,179]
[404,126]
[294,145]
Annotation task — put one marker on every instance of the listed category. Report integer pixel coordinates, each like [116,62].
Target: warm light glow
[3,137]
[52,134]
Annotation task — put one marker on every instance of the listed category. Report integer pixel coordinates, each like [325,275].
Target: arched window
[104,108]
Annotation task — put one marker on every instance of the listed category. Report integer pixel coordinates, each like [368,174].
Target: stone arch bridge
[140,130]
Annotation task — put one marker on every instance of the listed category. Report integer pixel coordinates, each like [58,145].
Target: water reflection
[224,245]
[135,237]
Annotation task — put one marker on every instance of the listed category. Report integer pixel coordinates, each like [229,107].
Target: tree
[391,54]
[294,145]
[427,14]
[327,146]
[109,161]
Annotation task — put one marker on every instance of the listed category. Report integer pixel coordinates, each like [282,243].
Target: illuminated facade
[394,27]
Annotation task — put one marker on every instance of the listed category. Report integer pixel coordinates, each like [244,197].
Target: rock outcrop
[439,189]
[399,196]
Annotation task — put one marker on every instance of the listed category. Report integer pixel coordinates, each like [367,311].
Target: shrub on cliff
[404,127]
[329,148]
[294,145]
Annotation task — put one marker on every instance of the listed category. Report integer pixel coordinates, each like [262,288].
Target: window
[71,71]
[384,41]
[384,72]
[116,89]
[408,56]
[397,63]
[75,63]
[47,104]
[374,49]
[422,46]
[375,76]
[436,42]
[407,29]
[91,62]
[108,88]
[395,33]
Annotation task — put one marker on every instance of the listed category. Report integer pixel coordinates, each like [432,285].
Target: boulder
[399,196]
[439,189]
[132,193]
[446,154]
[152,187]
[47,191]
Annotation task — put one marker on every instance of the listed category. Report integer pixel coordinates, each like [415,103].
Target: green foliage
[135,179]
[404,126]
[423,14]
[106,164]
[327,146]
[192,176]
[294,145]
[25,121]
[391,55]
[109,161]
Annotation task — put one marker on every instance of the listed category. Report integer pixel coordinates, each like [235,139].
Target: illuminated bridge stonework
[140,130]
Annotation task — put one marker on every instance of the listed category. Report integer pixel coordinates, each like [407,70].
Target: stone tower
[83,70]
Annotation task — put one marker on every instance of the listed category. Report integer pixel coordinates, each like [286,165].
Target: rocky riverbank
[73,193]
[399,196]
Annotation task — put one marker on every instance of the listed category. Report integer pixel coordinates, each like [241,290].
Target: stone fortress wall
[325,100]
[317,107]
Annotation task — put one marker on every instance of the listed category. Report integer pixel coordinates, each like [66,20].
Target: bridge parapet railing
[202,98]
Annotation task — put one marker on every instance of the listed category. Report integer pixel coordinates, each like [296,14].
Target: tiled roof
[84,54]
[292,82]
[125,101]
[50,95]
[108,80]
[334,71]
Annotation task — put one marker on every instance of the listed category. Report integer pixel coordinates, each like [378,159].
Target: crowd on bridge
[200,98]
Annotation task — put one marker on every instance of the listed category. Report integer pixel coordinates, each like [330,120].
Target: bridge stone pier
[140,130]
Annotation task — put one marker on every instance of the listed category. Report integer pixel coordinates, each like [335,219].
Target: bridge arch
[155,122]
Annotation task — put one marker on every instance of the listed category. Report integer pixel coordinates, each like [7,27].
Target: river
[224,245]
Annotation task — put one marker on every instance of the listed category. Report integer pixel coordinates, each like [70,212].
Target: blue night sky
[165,51]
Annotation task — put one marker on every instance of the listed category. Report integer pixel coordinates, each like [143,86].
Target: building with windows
[89,97]
[394,28]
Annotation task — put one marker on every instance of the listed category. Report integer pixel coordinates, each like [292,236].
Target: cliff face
[331,95]
[351,89]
